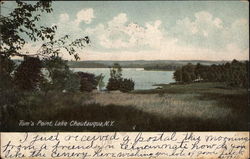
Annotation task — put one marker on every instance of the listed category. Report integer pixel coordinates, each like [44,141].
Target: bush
[127,85]
[7,66]
[234,74]
[60,77]
[122,84]
[6,82]
[65,80]
[28,75]
[116,82]
[88,81]
[72,83]
[9,100]
[113,84]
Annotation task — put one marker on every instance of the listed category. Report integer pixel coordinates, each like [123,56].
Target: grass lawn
[175,107]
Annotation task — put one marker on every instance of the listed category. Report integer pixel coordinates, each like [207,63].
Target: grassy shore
[175,107]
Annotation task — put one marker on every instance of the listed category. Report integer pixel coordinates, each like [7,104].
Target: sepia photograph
[115,66]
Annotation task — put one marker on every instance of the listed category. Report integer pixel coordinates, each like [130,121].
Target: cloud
[120,33]
[170,52]
[85,15]
[118,20]
[67,26]
[201,36]
[204,24]
[239,32]
[203,30]
[204,18]
[64,17]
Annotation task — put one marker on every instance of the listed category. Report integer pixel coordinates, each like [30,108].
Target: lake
[143,79]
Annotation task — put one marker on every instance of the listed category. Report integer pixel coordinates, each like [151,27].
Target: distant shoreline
[122,68]
[154,65]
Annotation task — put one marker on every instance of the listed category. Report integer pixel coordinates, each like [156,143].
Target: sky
[152,30]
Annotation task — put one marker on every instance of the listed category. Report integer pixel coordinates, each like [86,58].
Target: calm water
[143,79]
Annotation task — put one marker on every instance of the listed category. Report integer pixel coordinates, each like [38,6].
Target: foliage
[72,82]
[127,85]
[190,107]
[116,71]
[65,80]
[185,73]
[178,75]
[23,21]
[162,67]
[55,63]
[7,66]
[115,77]
[122,84]
[22,26]
[113,84]
[233,74]
[88,81]
[28,75]
[116,82]
[60,77]
[54,48]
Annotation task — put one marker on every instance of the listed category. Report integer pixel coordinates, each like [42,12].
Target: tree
[55,63]
[116,82]
[21,23]
[198,70]
[188,73]
[60,77]
[234,74]
[185,74]
[64,80]
[116,71]
[28,75]
[115,77]
[238,74]
[22,20]
[7,66]
[127,85]
[20,26]
[72,82]
[178,75]
[88,81]
[113,84]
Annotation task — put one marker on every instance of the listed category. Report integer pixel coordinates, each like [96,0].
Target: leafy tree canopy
[22,22]
[116,82]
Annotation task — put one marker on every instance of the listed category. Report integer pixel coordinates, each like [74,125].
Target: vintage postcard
[141,79]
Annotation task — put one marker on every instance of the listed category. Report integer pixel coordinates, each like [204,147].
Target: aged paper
[124,79]
[144,145]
